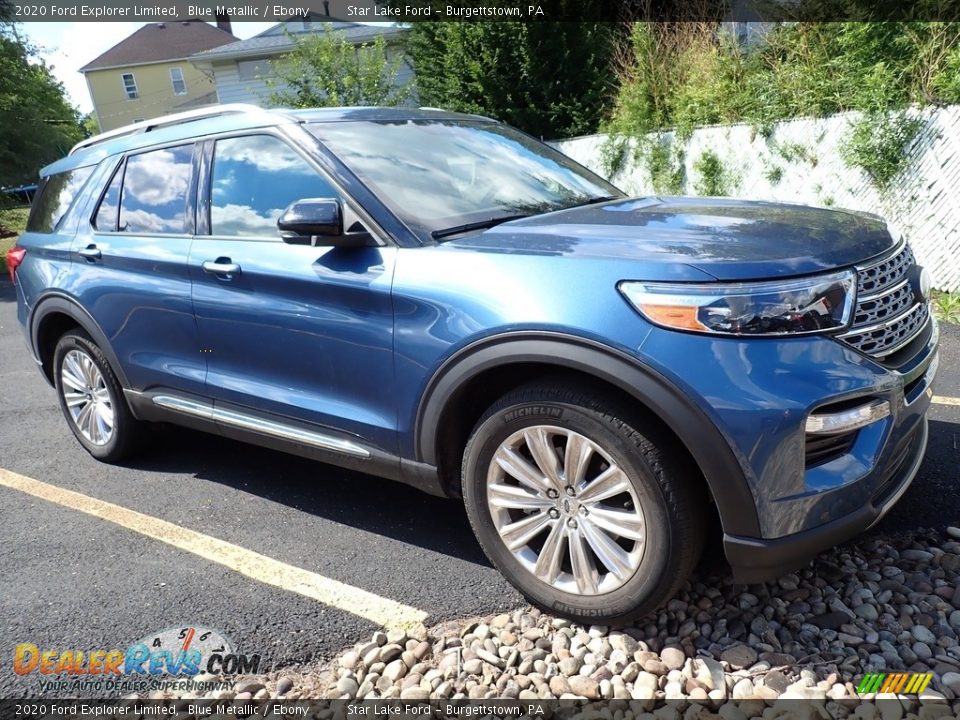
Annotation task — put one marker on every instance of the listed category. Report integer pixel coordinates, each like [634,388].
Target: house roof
[274,42]
[157,42]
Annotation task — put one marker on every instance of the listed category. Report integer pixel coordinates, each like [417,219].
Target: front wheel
[584,513]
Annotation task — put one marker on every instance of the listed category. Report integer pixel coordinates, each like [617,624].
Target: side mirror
[305,219]
[319,222]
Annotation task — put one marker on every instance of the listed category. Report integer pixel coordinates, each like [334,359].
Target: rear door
[130,267]
[289,330]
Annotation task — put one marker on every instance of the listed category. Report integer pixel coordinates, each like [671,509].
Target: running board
[259,425]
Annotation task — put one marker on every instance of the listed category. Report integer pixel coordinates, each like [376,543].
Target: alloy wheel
[565,510]
[86,396]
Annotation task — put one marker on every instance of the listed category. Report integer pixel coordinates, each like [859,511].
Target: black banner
[409,11]
[389,709]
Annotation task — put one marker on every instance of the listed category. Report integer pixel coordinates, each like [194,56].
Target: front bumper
[762,395]
[756,560]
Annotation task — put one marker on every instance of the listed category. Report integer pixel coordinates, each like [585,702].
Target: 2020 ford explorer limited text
[440,299]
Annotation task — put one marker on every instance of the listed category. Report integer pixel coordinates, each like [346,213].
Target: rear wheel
[92,400]
[581,510]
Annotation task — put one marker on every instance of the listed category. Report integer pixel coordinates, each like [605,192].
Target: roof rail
[476,115]
[145,126]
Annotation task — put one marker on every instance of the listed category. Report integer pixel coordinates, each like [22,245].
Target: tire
[655,539]
[92,400]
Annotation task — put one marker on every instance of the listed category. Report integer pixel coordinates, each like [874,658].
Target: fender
[59,302]
[711,452]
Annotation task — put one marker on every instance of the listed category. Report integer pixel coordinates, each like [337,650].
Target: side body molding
[689,423]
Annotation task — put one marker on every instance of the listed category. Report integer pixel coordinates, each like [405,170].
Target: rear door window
[54,198]
[156,185]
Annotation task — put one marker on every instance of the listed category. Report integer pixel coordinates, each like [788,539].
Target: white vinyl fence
[800,162]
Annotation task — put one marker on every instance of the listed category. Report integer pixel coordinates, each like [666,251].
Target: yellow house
[148,74]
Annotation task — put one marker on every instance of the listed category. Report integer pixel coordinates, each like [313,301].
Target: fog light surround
[847,420]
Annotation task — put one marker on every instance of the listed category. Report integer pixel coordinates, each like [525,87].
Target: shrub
[713,179]
[666,166]
[878,144]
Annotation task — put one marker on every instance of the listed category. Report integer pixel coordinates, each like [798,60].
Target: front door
[291,330]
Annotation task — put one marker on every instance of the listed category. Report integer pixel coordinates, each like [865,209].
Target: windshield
[445,176]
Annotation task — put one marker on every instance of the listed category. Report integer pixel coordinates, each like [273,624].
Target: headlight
[782,307]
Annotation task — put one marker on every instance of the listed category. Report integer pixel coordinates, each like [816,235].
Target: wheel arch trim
[59,302]
[709,449]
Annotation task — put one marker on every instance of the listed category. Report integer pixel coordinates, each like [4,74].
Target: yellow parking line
[380,610]
[944,400]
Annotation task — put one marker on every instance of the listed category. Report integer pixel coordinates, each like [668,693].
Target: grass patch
[946,306]
[11,219]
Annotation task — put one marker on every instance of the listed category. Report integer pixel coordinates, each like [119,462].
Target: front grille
[887,316]
[871,312]
[879,276]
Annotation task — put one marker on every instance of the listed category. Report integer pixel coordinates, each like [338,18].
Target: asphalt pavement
[69,580]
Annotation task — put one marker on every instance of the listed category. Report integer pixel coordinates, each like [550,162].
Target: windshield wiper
[595,200]
[479,225]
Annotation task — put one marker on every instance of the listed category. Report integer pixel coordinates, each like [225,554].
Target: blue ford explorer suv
[442,300]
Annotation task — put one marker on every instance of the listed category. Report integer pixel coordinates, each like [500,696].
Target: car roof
[228,118]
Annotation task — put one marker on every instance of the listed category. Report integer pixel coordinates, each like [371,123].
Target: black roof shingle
[157,42]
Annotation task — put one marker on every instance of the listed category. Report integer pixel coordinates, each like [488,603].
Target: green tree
[90,124]
[37,124]
[326,70]
[551,79]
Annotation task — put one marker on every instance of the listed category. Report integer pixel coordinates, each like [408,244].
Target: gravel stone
[923,634]
[284,685]
[743,689]
[348,686]
[739,656]
[395,670]
[585,686]
[672,657]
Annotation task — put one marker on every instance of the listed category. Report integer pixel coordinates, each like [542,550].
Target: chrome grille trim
[880,325]
[880,274]
[899,248]
[882,293]
[887,307]
[913,321]
[887,316]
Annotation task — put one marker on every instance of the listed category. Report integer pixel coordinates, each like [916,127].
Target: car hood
[673,238]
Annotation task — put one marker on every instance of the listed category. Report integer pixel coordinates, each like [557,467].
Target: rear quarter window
[54,198]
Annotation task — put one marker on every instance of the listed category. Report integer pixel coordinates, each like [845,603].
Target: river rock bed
[878,605]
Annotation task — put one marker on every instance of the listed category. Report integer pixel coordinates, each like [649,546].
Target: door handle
[90,252]
[216,267]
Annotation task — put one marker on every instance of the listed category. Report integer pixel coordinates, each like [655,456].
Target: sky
[68,46]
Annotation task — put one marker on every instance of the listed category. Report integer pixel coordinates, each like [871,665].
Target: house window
[253,69]
[179,84]
[130,86]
